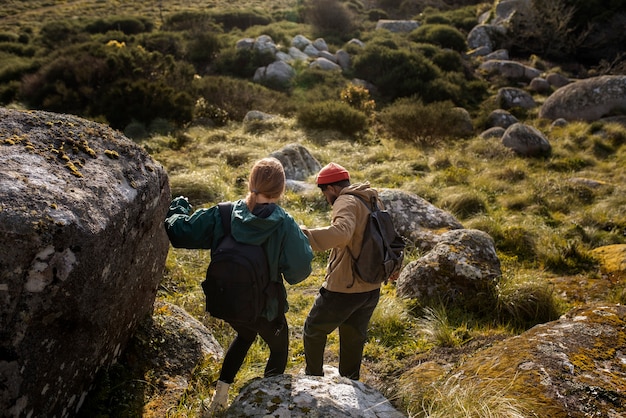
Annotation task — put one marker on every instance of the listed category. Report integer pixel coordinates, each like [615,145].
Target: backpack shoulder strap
[372,205]
[225,209]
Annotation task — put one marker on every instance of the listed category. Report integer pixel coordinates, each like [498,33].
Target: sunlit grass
[468,398]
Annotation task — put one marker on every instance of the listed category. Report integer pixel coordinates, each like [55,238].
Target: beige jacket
[342,237]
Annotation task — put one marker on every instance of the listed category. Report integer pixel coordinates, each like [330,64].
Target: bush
[333,115]
[116,82]
[359,98]
[396,73]
[415,122]
[225,98]
[241,63]
[126,24]
[329,18]
[166,43]
[463,18]
[448,60]
[442,35]
[188,21]
[242,19]
[60,32]
[202,49]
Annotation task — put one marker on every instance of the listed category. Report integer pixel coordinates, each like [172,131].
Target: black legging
[276,336]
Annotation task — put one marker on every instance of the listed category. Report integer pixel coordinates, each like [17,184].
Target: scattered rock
[397,26]
[526,141]
[288,396]
[462,269]
[510,97]
[587,100]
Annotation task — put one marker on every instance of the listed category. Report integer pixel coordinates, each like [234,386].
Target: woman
[257,218]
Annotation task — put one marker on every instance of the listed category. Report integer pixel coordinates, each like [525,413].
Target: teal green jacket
[288,250]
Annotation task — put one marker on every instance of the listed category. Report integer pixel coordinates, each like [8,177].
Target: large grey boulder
[82,254]
[587,100]
[416,219]
[462,269]
[571,367]
[297,161]
[301,396]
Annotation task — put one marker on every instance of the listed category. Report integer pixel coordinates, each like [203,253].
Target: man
[344,301]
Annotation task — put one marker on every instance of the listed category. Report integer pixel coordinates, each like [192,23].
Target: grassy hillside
[33,13]
[545,215]
[544,221]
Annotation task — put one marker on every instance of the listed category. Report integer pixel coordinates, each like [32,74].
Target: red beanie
[332,173]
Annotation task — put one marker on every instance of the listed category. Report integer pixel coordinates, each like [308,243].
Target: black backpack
[237,278]
[382,251]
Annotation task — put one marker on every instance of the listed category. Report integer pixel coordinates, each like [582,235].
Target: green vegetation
[151,68]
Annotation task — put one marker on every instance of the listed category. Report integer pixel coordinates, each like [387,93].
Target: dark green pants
[351,313]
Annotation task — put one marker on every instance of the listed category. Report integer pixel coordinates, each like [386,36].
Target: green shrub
[439,34]
[332,115]
[13,67]
[130,25]
[396,73]
[202,49]
[8,37]
[414,122]
[241,62]
[18,49]
[448,60]
[60,32]
[241,19]
[116,82]
[374,15]
[329,18]
[462,18]
[188,21]
[166,43]
[231,98]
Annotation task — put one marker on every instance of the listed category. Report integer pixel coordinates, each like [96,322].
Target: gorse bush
[359,98]
[332,115]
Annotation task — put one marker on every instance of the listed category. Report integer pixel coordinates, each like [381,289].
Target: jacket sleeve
[194,231]
[296,257]
[341,229]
